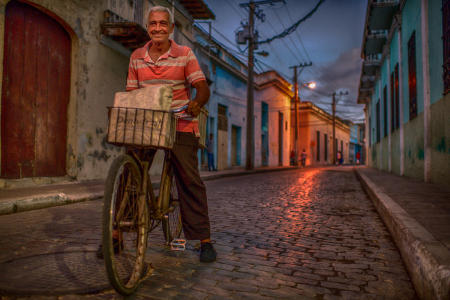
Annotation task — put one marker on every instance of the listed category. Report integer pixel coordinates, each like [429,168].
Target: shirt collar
[174,51]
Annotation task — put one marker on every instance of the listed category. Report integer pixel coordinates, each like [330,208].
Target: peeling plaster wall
[385,156]
[440,141]
[395,152]
[414,148]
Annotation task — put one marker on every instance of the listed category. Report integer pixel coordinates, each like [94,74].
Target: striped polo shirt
[178,67]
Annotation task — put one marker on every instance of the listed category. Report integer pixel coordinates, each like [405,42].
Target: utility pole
[296,108]
[333,104]
[250,143]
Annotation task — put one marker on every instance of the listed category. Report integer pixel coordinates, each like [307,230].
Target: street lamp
[310,85]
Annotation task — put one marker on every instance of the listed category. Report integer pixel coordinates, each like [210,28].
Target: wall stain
[420,153]
[442,147]
[100,155]
[107,146]
[80,161]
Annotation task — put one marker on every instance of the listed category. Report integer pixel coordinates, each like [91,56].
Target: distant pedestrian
[210,151]
[338,157]
[292,158]
[358,157]
[303,156]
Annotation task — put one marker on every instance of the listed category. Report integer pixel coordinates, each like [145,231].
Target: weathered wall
[310,123]
[414,147]
[385,156]
[440,141]
[395,152]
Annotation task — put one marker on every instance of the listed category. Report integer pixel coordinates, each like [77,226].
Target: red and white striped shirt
[178,67]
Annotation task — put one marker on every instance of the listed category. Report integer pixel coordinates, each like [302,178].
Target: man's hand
[193,108]
[201,98]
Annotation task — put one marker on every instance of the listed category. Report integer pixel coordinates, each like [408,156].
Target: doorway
[264,134]
[280,138]
[235,145]
[35,94]
[222,137]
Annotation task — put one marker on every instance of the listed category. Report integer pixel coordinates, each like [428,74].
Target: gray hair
[163,9]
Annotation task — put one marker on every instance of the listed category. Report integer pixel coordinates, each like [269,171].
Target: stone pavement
[299,234]
[418,216]
[32,196]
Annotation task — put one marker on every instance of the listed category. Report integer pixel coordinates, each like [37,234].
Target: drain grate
[60,273]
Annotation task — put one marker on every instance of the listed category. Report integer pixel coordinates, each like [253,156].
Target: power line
[284,41]
[294,26]
[298,35]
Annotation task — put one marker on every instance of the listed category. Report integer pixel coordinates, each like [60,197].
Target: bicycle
[132,210]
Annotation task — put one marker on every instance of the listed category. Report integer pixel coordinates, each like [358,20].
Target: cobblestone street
[299,234]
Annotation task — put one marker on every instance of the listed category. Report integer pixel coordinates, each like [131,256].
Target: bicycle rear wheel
[172,225]
[125,218]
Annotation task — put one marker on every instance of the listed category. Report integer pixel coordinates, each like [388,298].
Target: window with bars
[325,146]
[412,78]
[446,44]
[385,114]
[397,99]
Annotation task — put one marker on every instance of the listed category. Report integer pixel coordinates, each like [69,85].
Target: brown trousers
[191,189]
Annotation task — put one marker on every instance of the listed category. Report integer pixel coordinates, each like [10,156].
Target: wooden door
[35,94]
[222,137]
[280,138]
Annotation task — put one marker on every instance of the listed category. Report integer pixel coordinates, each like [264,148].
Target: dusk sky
[330,39]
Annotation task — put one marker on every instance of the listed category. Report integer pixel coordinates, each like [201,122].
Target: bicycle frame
[160,203]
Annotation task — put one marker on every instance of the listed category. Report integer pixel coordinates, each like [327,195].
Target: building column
[426,90]
[400,96]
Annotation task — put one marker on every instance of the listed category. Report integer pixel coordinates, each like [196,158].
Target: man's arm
[201,97]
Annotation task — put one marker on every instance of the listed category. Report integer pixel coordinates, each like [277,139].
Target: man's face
[159,27]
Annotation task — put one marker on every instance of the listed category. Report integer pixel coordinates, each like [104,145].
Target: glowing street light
[311,85]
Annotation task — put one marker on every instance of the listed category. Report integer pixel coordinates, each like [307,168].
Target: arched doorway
[35,94]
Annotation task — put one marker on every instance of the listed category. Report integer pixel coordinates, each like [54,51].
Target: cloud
[341,75]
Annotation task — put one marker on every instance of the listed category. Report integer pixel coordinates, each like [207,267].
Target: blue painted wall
[435,50]
[411,23]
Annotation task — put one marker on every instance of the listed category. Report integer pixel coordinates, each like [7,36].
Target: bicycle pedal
[178,245]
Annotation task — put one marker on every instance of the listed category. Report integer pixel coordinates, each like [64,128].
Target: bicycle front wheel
[172,225]
[125,218]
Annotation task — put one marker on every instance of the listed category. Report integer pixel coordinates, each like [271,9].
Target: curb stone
[427,260]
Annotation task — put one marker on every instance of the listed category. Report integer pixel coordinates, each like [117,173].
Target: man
[163,61]
[210,151]
[303,158]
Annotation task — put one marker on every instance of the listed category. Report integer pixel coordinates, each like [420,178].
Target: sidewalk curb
[427,260]
[50,199]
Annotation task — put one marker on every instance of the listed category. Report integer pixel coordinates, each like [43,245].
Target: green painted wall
[414,147]
[435,50]
[440,141]
[395,152]
[384,145]
[374,152]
